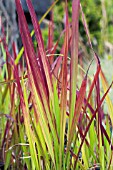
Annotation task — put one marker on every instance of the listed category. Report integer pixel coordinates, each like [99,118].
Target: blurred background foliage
[99,17]
[98,13]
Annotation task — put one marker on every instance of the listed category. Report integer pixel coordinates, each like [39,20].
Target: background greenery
[99,16]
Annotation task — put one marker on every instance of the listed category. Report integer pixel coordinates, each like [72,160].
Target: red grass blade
[78,107]
[63,102]
[41,48]
[50,38]
[74,58]
[92,85]
[91,120]
[88,35]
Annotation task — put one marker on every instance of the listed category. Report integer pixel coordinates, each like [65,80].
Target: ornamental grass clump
[50,119]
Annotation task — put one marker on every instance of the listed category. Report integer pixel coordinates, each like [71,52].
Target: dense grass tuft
[51,110]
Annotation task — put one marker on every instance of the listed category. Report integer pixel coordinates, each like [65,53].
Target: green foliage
[98,14]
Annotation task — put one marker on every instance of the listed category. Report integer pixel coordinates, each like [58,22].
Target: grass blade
[74,58]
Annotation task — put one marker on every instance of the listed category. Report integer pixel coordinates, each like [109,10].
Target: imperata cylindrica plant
[52,110]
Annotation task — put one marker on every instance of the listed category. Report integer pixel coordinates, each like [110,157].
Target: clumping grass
[51,110]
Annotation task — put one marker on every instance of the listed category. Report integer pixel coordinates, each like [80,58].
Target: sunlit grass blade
[78,107]
[108,100]
[74,58]
[30,134]
[63,102]
[41,144]
[57,107]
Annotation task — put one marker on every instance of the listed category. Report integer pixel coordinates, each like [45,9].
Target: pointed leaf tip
[89,66]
